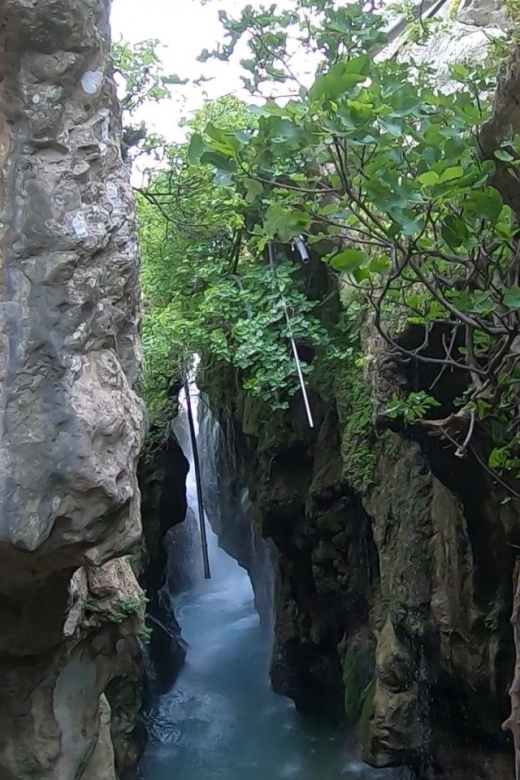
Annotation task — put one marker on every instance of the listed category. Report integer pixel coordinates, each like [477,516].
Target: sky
[185,28]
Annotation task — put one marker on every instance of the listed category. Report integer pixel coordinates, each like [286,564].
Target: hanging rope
[198,482]
[270,250]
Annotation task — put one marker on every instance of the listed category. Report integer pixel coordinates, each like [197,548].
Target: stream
[221,719]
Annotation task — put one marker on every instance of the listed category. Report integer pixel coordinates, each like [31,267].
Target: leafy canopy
[381,171]
[207,288]
[376,157]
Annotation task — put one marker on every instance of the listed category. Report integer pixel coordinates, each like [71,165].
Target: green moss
[512,10]
[388,443]
[145,635]
[358,669]
[255,415]
[453,8]
[367,713]
[358,436]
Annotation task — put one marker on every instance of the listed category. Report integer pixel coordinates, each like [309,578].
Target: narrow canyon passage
[221,719]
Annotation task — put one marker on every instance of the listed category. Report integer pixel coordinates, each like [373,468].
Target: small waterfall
[229,512]
[186,536]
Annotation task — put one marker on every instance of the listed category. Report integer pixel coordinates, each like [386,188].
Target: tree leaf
[348,260]
[379,265]
[501,154]
[225,140]
[428,178]
[333,83]
[360,64]
[196,148]
[511,297]
[254,189]
[455,172]
[218,160]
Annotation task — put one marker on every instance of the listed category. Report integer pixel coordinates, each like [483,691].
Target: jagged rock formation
[71,422]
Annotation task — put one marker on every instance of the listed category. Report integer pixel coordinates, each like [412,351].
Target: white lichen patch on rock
[91,81]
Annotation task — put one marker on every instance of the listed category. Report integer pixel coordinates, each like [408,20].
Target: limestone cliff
[162,474]
[71,422]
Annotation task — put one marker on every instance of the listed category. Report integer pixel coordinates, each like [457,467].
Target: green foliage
[501,45]
[382,171]
[355,411]
[124,608]
[141,70]
[142,80]
[145,635]
[414,407]
[512,10]
[419,28]
[207,285]
[376,159]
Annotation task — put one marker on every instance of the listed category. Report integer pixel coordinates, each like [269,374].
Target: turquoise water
[222,720]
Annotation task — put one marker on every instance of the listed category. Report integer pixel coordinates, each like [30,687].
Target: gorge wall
[70,607]
[393,591]
[395,561]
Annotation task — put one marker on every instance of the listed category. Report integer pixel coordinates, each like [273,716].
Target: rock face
[462,34]
[162,480]
[395,558]
[71,422]
[162,477]
[393,592]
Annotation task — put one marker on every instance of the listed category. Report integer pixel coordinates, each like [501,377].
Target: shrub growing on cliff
[406,178]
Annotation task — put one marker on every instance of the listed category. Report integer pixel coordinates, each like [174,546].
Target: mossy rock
[355,411]
[367,713]
[453,9]
[358,671]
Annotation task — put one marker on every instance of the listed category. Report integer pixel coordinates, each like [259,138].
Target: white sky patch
[184,28]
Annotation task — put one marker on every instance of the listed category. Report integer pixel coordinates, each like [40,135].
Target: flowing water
[221,719]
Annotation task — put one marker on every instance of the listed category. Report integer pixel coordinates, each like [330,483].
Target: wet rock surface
[162,477]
